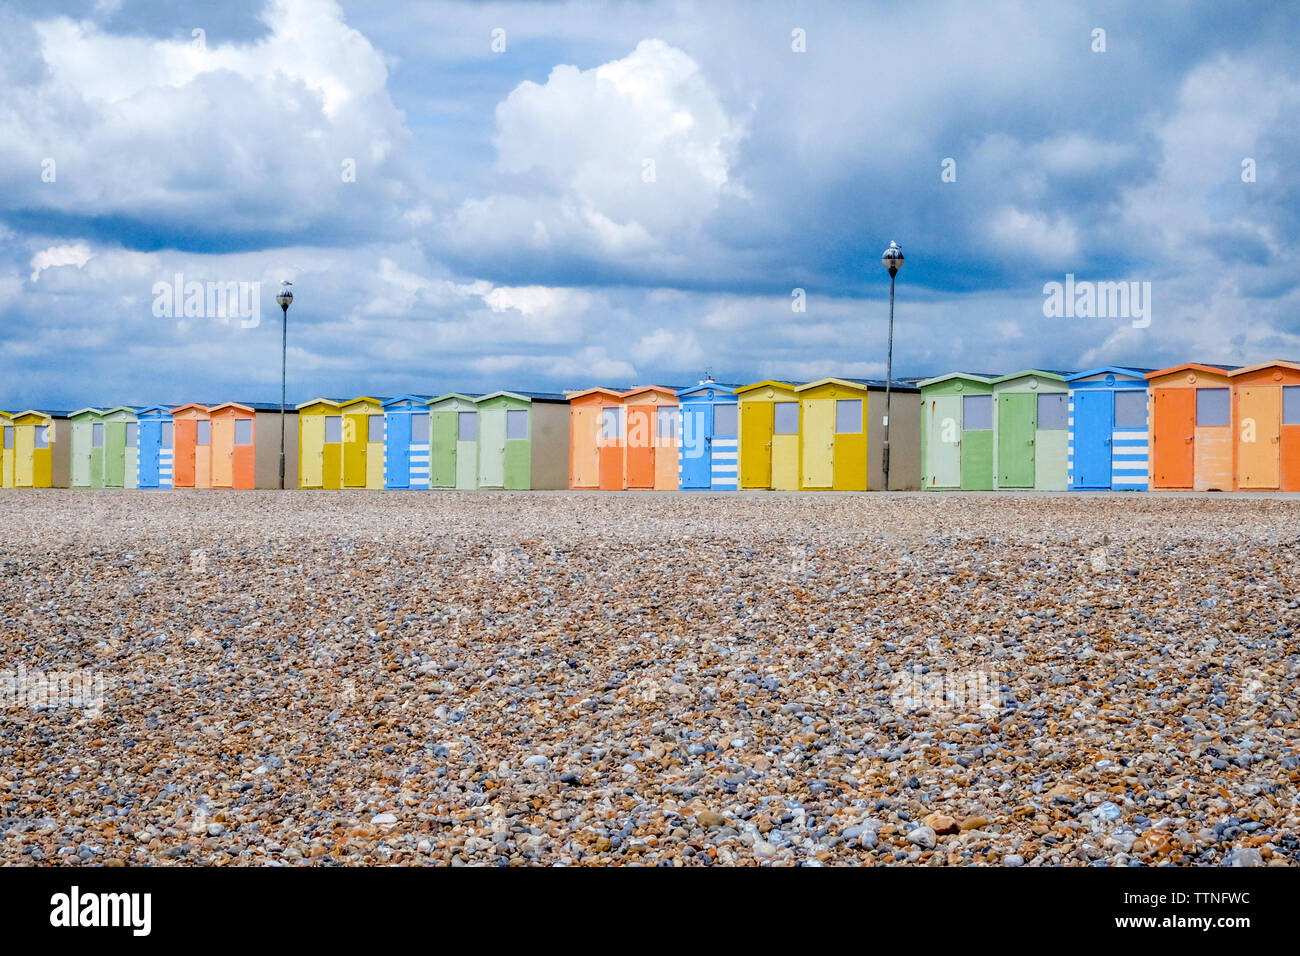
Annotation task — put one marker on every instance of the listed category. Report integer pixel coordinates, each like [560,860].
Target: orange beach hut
[596,430]
[1266,426]
[1191,427]
[192,446]
[653,426]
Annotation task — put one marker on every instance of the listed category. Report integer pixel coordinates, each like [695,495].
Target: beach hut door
[150,447]
[442,450]
[1259,425]
[818,435]
[1017,423]
[697,445]
[492,447]
[397,451]
[1093,415]
[943,436]
[757,424]
[1173,427]
[81,460]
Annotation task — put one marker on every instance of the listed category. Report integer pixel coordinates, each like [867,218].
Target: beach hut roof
[376,400]
[983,378]
[642,389]
[336,402]
[425,399]
[602,389]
[201,407]
[446,395]
[1040,372]
[1275,363]
[1111,370]
[1213,367]
[88,410]
[766,383]
[709,384]
[43,413]
[133,409]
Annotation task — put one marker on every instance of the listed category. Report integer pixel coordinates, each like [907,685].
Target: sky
[549,195]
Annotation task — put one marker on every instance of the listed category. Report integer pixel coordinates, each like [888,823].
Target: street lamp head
[893,258]
[285,296]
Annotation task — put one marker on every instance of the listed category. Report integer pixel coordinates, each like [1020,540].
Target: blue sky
[554,195]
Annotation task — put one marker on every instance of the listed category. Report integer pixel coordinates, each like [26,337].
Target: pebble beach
[660,679]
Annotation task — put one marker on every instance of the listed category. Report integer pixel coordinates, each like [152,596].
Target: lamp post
[285,298]
[893,261]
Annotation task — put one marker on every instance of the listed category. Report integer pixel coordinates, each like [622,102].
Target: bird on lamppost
[892,259]
[285,298]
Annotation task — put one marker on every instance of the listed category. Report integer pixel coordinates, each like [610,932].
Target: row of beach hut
[1194,426]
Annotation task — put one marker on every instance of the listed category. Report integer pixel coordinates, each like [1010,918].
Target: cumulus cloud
[76,254]
[622,158]
[207,141]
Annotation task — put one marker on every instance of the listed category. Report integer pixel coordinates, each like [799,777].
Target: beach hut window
[1131,409]
[1211,407]
[333,428]
[97,435]
[724,421]
[204,433]
[977,413]
[42,437]
[132,435]
[375,428]
[1290,405]
[670,422]
[9,438]
[848,416]
[1052,412]
[420,429]
[243,431]
[785,418]
[516,424]
[611,423]
[167,434]
[467,426]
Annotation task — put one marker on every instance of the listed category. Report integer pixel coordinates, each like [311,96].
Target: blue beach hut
[708,451]
[155,447]
[406,441]
[1109,439]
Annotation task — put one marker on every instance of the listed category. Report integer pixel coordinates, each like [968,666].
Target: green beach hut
[957,432]
[1031,430]
[120,458]
[453,440]
[87,448]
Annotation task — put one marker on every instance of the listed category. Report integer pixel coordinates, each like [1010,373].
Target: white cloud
[1034,235]
[76,254]
[227,137]
[619,159]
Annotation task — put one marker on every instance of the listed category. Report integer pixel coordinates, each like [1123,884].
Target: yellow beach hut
[363,442]
[320,444]
[769,436]
[833,435]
